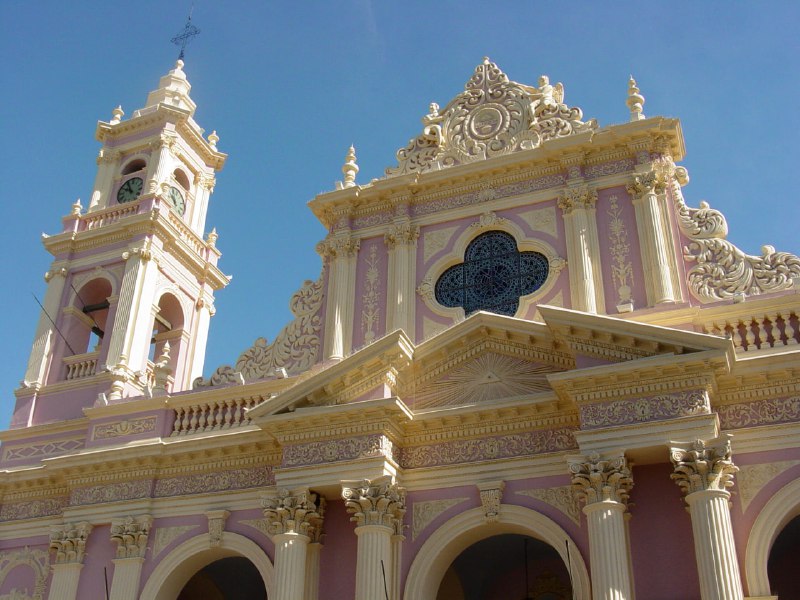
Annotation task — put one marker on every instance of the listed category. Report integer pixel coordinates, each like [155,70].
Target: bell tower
[133,276]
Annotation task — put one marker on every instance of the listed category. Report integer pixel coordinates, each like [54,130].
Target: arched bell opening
[507,567]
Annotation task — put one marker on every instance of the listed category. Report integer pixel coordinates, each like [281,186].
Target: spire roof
[173,90]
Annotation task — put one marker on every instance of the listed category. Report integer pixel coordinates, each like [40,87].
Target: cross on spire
[185,36]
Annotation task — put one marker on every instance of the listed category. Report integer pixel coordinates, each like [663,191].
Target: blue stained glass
[493,276]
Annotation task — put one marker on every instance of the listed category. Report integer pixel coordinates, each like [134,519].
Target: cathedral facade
[528,369]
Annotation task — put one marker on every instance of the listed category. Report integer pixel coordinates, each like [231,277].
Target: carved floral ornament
[700,466]
[301,512]
[491,117]
[376,502]
[598,479]
[130,535]
[721,271]
[69,542]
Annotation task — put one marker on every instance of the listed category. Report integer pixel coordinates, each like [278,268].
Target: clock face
[130,190]
[176,200]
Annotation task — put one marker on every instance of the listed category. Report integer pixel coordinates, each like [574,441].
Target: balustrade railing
[187,235]
[756,330]
[215,415]
[93,220]
[79,366]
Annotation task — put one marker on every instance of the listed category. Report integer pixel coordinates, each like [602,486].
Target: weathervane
[185,36]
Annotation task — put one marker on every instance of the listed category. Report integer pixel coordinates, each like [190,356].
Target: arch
[181,178]
[776,514]
[87,316]
[177,567]
[455,256]
[460,532]
[134,166]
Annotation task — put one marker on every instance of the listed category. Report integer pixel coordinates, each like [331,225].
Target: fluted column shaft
[714,546]
[373,565]
[401,240]
[64,584]
[608,549]
[340,252]
[312,571]
[125,585]
[583,249]
[45,330]
[291,550]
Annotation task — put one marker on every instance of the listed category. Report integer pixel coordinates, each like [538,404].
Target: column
[107,167]
[69,544]
[377,507]
[655,238]
[294,519]
[704,472]
[604,484]
[340,252]
[159,167]
[45,330]
[401,240]
[130,535]
[583,249]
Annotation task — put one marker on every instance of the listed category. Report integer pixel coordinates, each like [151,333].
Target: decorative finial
[486,60]
[213,138]
[211,240]
[350,168]
[76,207]
[164,356]
[635,101]
[185,36]
[117,114]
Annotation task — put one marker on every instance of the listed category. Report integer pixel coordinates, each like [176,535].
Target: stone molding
[301,512]
[216,526]
[702,465]
[598,479]
[377,502]
[640,410]
[166,535]
[491,494]
[130,535]
[562,498]
[68,541]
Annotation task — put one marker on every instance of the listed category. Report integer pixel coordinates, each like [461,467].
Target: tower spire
[185,36]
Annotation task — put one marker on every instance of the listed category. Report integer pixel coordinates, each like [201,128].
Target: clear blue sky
[290,85]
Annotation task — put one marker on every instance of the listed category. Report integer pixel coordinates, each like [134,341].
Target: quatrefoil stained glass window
[493,276]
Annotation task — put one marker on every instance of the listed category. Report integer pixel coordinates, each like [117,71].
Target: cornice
[46,429]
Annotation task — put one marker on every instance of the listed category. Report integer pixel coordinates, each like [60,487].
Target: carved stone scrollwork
[69,542]
[130,535]
[721,270]
[646,183]
[581,197]
[334,247]
[300,512]
[488,220]
[491,499]
[491,117]
[402,234]
[700,466]
[295,348]
[426,289]
[595,479]
[376,502]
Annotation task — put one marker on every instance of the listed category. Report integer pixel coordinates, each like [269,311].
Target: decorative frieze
[130,535]
[370,308]
[641,410]
[350,448]
[105,431]
[598,479]
[202,483]
[216,526]
[301,512]
[31,509]
[491,494]
[110,492]
[608,168]
[771,411]
[621,268]
[425,512]
[474,450]
[703,466]
[69,542]
[377,502]
[42,450]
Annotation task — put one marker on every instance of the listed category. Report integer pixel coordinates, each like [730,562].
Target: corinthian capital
[703,466]
[333,247]
[400,235]
[576,198]
[130,536]
[69,542]
[645,183]
[300,511]
[597,479]
[376,502]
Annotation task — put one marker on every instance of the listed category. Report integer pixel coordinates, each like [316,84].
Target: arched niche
[456,535]
[176,568]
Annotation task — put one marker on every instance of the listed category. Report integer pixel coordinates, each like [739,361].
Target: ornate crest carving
[491,117]
[295,348]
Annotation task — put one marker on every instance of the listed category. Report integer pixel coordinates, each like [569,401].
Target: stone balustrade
[101,218]
[79,366]
[214,415]
[756,330]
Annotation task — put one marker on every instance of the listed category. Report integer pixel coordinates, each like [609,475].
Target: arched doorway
[431,566]
[507,566]
[782,563]
[174,572]
[232,578]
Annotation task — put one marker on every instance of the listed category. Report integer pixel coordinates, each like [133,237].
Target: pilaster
[704,471]
[377,507]
[340,252]
[578,205]
[604,484]
[69,544]
[43,340]
[294,520]
[107,167]
[130,535]
[401,240]
[655,237]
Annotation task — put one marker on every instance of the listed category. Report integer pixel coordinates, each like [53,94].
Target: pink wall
[100,551]
[337,578]
[370,297]
[661,537]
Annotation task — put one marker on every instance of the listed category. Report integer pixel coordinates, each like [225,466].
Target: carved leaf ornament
[491,117]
